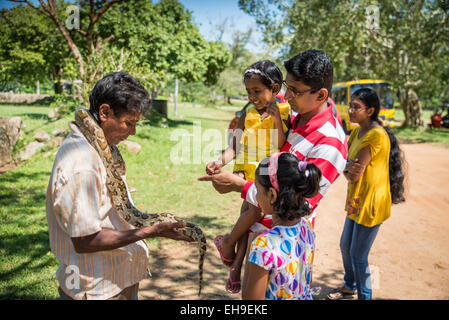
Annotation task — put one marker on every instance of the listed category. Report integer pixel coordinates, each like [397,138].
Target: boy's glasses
[357,107]
[296,92]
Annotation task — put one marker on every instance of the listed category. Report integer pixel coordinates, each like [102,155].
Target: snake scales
[115,168]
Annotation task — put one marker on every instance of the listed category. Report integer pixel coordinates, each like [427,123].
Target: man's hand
[224,181]
[166,230]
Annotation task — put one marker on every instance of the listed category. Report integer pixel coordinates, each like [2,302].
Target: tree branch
[93,20]
[381,44]
[29,3]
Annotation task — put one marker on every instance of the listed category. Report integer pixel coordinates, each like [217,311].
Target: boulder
[53,114]
[132,146]
[30,150]
[10,131]
[56,142]
[42,136]
[60,132]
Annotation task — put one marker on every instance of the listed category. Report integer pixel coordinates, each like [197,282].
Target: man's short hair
[122,92]
[312,67]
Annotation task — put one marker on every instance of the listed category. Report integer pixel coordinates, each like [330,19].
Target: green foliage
[30,47]
[65,104]
[165,44]
[155,42]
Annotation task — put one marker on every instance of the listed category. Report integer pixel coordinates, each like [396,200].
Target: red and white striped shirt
[320,141]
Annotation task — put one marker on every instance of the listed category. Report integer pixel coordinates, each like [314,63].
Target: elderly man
[101,255]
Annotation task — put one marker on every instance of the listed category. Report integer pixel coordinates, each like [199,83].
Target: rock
[42,136]
[132,146]
[10,131]
[60,132]
[11,97]
[53,114]
[56,142]
[30,150]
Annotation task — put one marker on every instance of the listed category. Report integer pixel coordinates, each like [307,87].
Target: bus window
[339,95]
[383,90]
[336,94]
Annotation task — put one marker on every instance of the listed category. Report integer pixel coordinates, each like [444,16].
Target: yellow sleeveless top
[258,141]
[368,200]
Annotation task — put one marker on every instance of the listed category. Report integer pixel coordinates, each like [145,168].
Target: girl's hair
[294,185]
[268,71]
[370,98]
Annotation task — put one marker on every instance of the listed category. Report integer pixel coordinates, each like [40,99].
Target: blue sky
[207,14]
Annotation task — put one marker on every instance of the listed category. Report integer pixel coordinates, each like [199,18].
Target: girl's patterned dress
[287,252]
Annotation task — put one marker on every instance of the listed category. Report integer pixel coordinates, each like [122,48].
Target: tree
[404,42]
[90,43]
[155,42]
[31,48]
[165,44]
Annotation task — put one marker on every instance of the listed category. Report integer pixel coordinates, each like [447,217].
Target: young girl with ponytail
[280,260]
[375,181]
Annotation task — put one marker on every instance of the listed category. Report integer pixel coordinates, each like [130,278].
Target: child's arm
[256,283]
[273,111]
[231,151]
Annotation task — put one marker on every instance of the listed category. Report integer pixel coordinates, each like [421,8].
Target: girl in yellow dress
[375,181]
[261,131]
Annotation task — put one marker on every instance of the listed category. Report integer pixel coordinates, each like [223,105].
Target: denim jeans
[355,244]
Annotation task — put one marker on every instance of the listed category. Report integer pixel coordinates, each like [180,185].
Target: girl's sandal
[231,284]
[218,242]
[339,294]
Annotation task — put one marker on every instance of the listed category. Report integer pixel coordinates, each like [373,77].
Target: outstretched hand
[224,181]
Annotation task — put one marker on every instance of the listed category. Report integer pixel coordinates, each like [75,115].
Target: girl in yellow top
[375,181]
[261,131]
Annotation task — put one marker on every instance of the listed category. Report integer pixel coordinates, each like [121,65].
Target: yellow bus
[342,91]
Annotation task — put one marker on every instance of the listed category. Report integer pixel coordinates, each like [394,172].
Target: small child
[261,131]
[280,260]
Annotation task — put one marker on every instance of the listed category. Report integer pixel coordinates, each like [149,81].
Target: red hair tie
[272,170]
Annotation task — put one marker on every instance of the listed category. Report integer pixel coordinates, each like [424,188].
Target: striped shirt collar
[316,122]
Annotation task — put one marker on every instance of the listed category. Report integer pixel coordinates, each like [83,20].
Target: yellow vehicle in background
[342,91]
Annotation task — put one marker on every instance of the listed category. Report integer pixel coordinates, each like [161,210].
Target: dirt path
[409,259]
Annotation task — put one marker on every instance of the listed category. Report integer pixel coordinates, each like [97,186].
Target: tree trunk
[57,79]
[411,107]
[213,95]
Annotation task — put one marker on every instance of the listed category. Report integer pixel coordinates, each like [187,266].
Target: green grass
[27,267]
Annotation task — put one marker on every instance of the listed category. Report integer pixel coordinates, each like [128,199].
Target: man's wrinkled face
[117,128]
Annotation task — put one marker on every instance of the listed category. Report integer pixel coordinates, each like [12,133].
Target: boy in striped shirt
[316,136]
